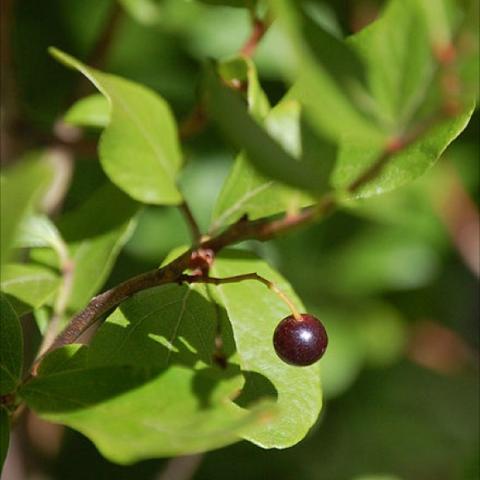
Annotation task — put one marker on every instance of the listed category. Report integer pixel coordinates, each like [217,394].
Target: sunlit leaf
[254,312]
[30,285]
[20,187]
[139,149]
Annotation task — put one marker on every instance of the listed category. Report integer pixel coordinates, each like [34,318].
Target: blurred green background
[390,278]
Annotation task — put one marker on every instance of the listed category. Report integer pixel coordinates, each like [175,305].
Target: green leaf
[147,12]
[4,435]
[20,187]
[40,231]
[231,3]
[397,51]
[254,312]
[139,149]
[330,83]
[91,111]
[401,67]
[267,155]
[160,326]
[241,70]
[11,348]
[95,242]
[30,285]
[248,192]
[69,357]
[132,413]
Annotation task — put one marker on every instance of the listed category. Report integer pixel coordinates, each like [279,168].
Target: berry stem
[240,278]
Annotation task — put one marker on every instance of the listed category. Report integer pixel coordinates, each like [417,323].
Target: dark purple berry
[300,342]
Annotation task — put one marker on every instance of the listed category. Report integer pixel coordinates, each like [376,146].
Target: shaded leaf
[95,242]
[11,351]
[160,326]
[4,435]
[69,357]
[139,149]
[167,413]
[254,312]
[30,285]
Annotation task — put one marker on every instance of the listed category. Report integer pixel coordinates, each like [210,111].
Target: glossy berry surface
[300,342]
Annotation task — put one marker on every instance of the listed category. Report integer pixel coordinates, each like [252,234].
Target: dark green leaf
[11,348]
[139,149]
[69,357]
[132,413]
[4,435]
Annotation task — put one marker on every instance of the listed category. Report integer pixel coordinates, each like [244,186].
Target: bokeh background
[394,280]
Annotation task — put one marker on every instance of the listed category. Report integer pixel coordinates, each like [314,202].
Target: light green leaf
[147,12]
[20,187]
[167,413]
[30,285]
[40,231]
[248,192]
[160,326]
[330,81]
[11,348]
[4,435]
[231,3]
[139,149]
[95,242]
[91,111]
[254,312]
[401,70]
[397,51]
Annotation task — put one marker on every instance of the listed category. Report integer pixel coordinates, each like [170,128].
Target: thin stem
[259,29]
[109,299]
[191,221]
[59,308]
[240,278]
